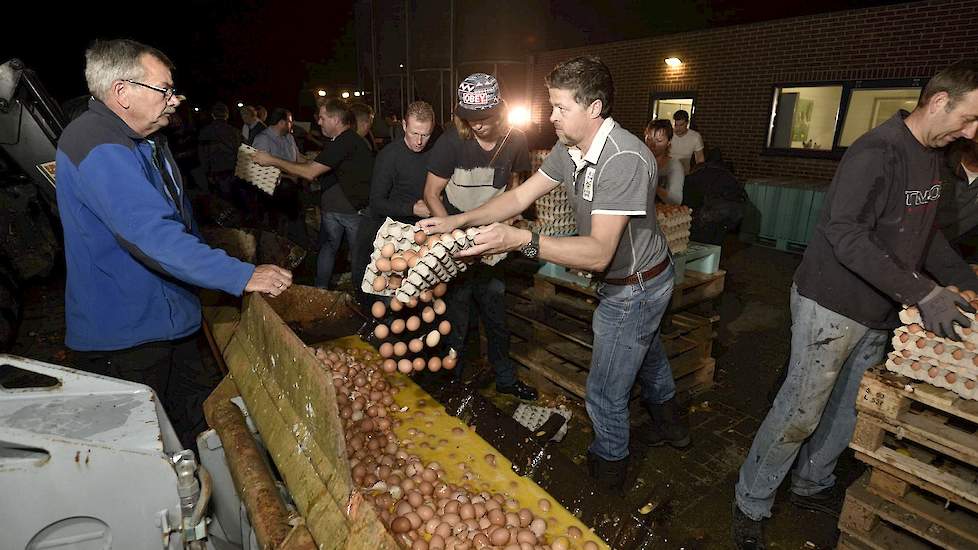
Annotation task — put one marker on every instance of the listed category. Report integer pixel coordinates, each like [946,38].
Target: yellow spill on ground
[452,444]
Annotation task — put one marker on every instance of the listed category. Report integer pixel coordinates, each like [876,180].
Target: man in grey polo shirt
[608,175]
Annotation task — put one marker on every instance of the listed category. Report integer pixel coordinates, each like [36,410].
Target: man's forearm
[306,170]
[582,252]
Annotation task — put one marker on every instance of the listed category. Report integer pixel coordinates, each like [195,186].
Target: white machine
[90,462]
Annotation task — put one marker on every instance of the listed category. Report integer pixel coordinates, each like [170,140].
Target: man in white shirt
[686,143]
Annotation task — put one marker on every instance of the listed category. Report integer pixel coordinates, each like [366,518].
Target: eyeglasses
[167,92]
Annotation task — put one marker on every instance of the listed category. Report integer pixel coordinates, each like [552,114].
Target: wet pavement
[692,489]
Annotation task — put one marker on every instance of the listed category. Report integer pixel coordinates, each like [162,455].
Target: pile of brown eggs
[424,510]
[409,337]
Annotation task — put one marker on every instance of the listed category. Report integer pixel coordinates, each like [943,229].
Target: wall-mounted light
[196,109]
[346,95]
[674,62]
[322,93]
[519,115]
[240,105]
[356,94]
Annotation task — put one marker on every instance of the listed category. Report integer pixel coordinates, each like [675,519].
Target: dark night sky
[257,51]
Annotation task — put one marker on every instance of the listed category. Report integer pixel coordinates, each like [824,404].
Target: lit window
[804,117]
[666,107]
[868,108]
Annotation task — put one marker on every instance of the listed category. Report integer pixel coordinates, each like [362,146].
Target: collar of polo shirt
[597,145]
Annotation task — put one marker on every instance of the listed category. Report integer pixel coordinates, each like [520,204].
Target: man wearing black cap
[472,163]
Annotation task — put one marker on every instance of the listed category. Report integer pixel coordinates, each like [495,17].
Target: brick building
[733,72]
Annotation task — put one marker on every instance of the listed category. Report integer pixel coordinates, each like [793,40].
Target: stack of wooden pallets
[921,442]
[551,327]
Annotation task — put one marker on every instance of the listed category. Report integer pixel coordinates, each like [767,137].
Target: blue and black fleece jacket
[134,260]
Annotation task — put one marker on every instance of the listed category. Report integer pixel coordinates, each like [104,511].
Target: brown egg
[499,536]
[444,530]
[439,290]
[405,366]
[418,364]
[449,362]
[434,364]
[525,536]
[560,543]
[425,296]
[951,377]
[401,524]
[544,505]
[398,263]
[428,315]
[466,511]
[526,516]
[496,517]
[389,365]
[380,283]
[419,544]
[400,348]
[444,327]
[538,526]
[970,384]
[933,371]
[915,365]
[480,540]
[387,250]
[386,349]
[412,303]
[397,326]
[590,545]
[415,498]
[573,532]
[378,310]
[413,262]
[432,339]
[396,305]
[440,307]
[383,264]
[413,323]
[381,331]
[394,282]
[415,345]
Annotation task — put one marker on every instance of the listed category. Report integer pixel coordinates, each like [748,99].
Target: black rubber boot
[609,473]
[747,534]
[668,427]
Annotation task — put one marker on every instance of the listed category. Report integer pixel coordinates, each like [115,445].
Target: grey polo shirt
[615,177]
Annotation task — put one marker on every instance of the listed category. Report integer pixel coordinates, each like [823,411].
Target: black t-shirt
[453,157]
[398,182]
[346,188]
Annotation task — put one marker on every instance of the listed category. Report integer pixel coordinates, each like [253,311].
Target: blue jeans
[481,287]
[814,414]
[332,228]
[627,346]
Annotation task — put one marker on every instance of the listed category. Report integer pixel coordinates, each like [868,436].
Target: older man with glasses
[135,258]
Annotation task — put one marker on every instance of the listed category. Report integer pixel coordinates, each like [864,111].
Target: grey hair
[109,60]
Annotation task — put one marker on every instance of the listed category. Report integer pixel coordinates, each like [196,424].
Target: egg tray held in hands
[262,177]
[406,261]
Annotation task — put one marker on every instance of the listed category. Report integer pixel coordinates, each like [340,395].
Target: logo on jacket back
[920,198]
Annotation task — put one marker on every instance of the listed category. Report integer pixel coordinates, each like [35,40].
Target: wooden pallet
[552,337]
[696,287]
[879,503]
[924,435]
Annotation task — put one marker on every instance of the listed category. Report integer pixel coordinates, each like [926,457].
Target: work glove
[940,309]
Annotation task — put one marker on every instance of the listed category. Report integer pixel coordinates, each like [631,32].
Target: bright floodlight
[322,93]
[346,95]
[356,94]
[519,116]
[240,105]
[674,61]
[196,109]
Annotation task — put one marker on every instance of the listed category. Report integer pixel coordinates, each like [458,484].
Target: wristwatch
[532,248]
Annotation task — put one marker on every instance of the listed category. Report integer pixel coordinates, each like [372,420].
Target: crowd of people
[136,258]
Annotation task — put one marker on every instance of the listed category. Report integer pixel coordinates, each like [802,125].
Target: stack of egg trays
[941,362]
[262,177]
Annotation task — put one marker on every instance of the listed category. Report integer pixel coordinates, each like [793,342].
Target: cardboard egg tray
[438,264]
[675,221]
[941,362]
[555,215]
[262,177]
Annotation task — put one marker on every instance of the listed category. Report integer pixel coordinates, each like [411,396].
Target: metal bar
[373,58]
[252,479]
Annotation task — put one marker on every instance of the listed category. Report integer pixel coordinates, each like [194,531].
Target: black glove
[940,309]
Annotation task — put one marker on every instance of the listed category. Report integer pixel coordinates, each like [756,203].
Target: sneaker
[520,390]
[747,534]
[828,501]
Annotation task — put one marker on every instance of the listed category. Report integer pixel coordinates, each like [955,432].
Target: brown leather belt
[636,278]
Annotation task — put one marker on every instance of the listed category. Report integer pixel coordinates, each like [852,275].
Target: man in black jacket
[958,213]
[875,247]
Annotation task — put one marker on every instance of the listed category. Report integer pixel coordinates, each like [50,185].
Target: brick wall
[732,70]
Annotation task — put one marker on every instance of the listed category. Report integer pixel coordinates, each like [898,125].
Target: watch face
[530,251]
